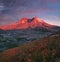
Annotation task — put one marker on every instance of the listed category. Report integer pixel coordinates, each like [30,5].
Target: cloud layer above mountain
[15,9]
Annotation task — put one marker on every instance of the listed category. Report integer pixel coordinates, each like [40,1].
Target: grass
[42,50]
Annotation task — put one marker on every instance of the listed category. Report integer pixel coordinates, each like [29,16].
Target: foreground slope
[43,50]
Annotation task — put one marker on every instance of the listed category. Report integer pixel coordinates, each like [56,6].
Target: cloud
[6,20]
[10,9]
[1,7]
[52,19]
[12,6]
[55,1]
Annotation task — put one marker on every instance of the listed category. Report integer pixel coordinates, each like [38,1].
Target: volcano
[26,23]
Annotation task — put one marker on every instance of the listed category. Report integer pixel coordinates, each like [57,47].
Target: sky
[12,11]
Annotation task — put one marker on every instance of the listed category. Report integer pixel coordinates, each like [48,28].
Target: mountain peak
[25,23]
[35,17]
[38,19]
[23,20]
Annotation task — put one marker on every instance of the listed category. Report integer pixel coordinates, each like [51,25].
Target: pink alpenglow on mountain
[25,23]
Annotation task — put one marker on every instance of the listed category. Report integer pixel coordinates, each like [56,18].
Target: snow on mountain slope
[25,23]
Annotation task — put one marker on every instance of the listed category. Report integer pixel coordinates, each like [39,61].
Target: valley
[45,49]
[15,38]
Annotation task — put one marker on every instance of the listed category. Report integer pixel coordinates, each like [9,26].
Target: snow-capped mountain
[26,23]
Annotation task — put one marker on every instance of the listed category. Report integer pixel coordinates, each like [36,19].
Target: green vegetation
[42,50]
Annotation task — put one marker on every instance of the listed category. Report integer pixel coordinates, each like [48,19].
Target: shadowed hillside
[43,50]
